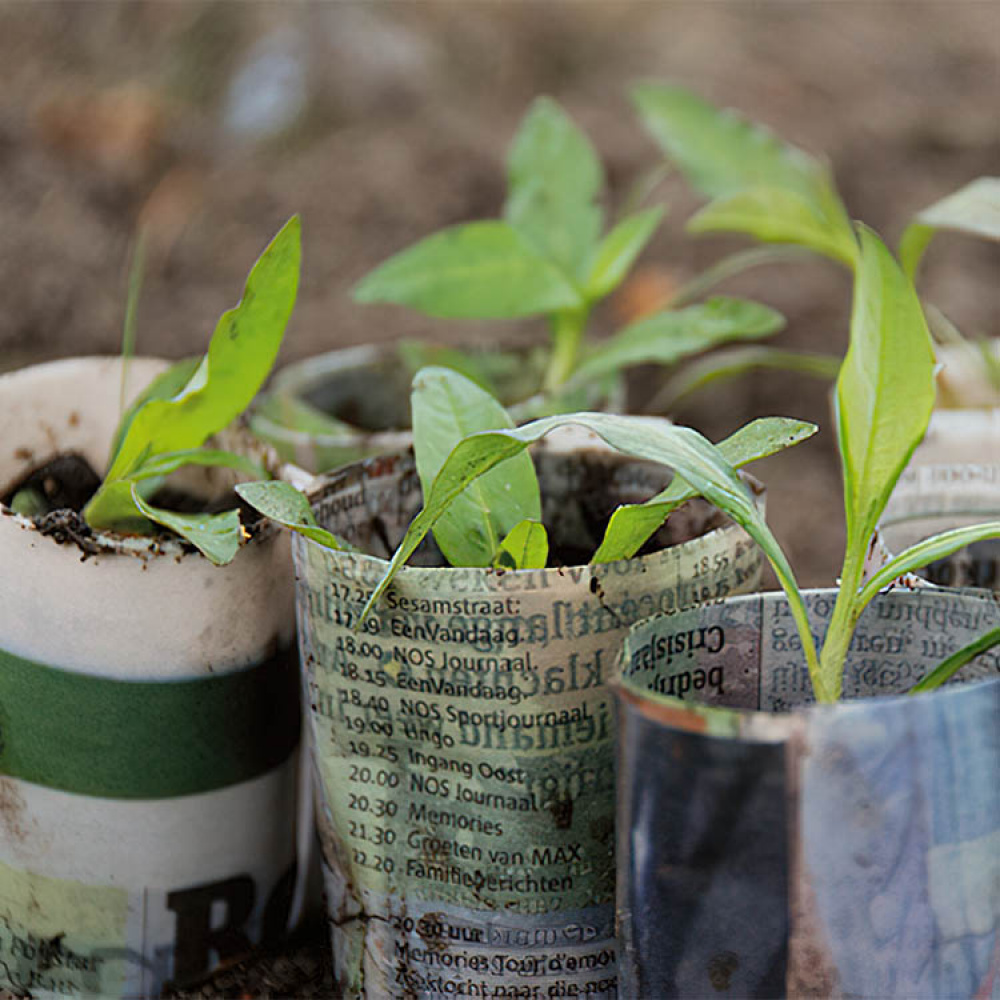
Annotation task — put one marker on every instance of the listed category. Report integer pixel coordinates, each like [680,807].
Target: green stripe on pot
[120,739]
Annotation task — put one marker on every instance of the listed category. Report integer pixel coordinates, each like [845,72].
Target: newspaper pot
[465,736]
[336,408]
[779,848]
[149,719]
[932,498]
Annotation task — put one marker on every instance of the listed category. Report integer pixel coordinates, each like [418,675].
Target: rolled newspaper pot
[933,498]
[149,725]
[464,733]
[771,847]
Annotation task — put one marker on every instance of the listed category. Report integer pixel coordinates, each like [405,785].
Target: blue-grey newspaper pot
[772,847]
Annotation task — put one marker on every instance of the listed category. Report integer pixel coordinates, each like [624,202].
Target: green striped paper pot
[464,736]
[148,729]
[771,847]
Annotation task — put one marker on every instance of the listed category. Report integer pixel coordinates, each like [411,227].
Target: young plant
[885,393]
[766,188]
[550,256]
[166,428]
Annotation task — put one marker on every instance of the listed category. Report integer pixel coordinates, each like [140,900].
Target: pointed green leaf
[773,215]
[447,407]
[240,356]
[171,461]
[282,502]
[885,390]
[925,552]
[553,179]
[632,525]
[618,250]
[480,270]
[668,336]
[685,450]
[721,365]
[946,670]
[973,209]
[216,536]
[526,546]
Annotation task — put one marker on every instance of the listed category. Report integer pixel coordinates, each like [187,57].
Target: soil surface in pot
[61,486]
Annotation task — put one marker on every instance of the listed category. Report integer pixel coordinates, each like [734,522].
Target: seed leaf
[216,536]
[554,178]
[525,547]
[885,390]
[973,209]
[618,250]
[925,552]
[447,407]
[479,270]
[282,502]
[668,336]
[631,525]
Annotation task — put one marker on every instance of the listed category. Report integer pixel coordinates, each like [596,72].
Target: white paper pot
[149,726]
[768,847]
[465,735]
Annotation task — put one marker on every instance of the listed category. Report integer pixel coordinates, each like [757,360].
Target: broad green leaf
[973,209]
[925,552]
[282,502]
[618,250]
[526,545]
[216,536]
[946,670]
[631,525]
[165,386]
[447,407]
[885,390]
[774,215]
[171,461]
[479,270]
[240,356]
[691,456]
[721,365]
[668,336]
[553,180]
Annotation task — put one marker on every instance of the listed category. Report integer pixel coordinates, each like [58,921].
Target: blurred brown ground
[396,120]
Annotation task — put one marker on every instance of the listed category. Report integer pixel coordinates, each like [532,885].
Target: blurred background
[212,122]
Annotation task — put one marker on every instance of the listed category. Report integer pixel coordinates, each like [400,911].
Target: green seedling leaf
[28,503]
[719,152]
[166,385]
[632,525]
[774,215]
[240,356]
[925,552]
[973,209]
[618,250]
[293,414]
[722,365]
[282,502]
[525,547]
[216,536]
[885,390]
[553,179]
[946,670]
[164,465]
[479,270]
[668,336]
[447,407]
[692,457]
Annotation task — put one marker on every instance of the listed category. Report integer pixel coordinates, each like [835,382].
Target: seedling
[547,257]
[482,515]
[167,426]
[759,185]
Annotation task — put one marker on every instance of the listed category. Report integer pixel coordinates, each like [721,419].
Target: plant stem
[567,336]
[735,264]
[846,612]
